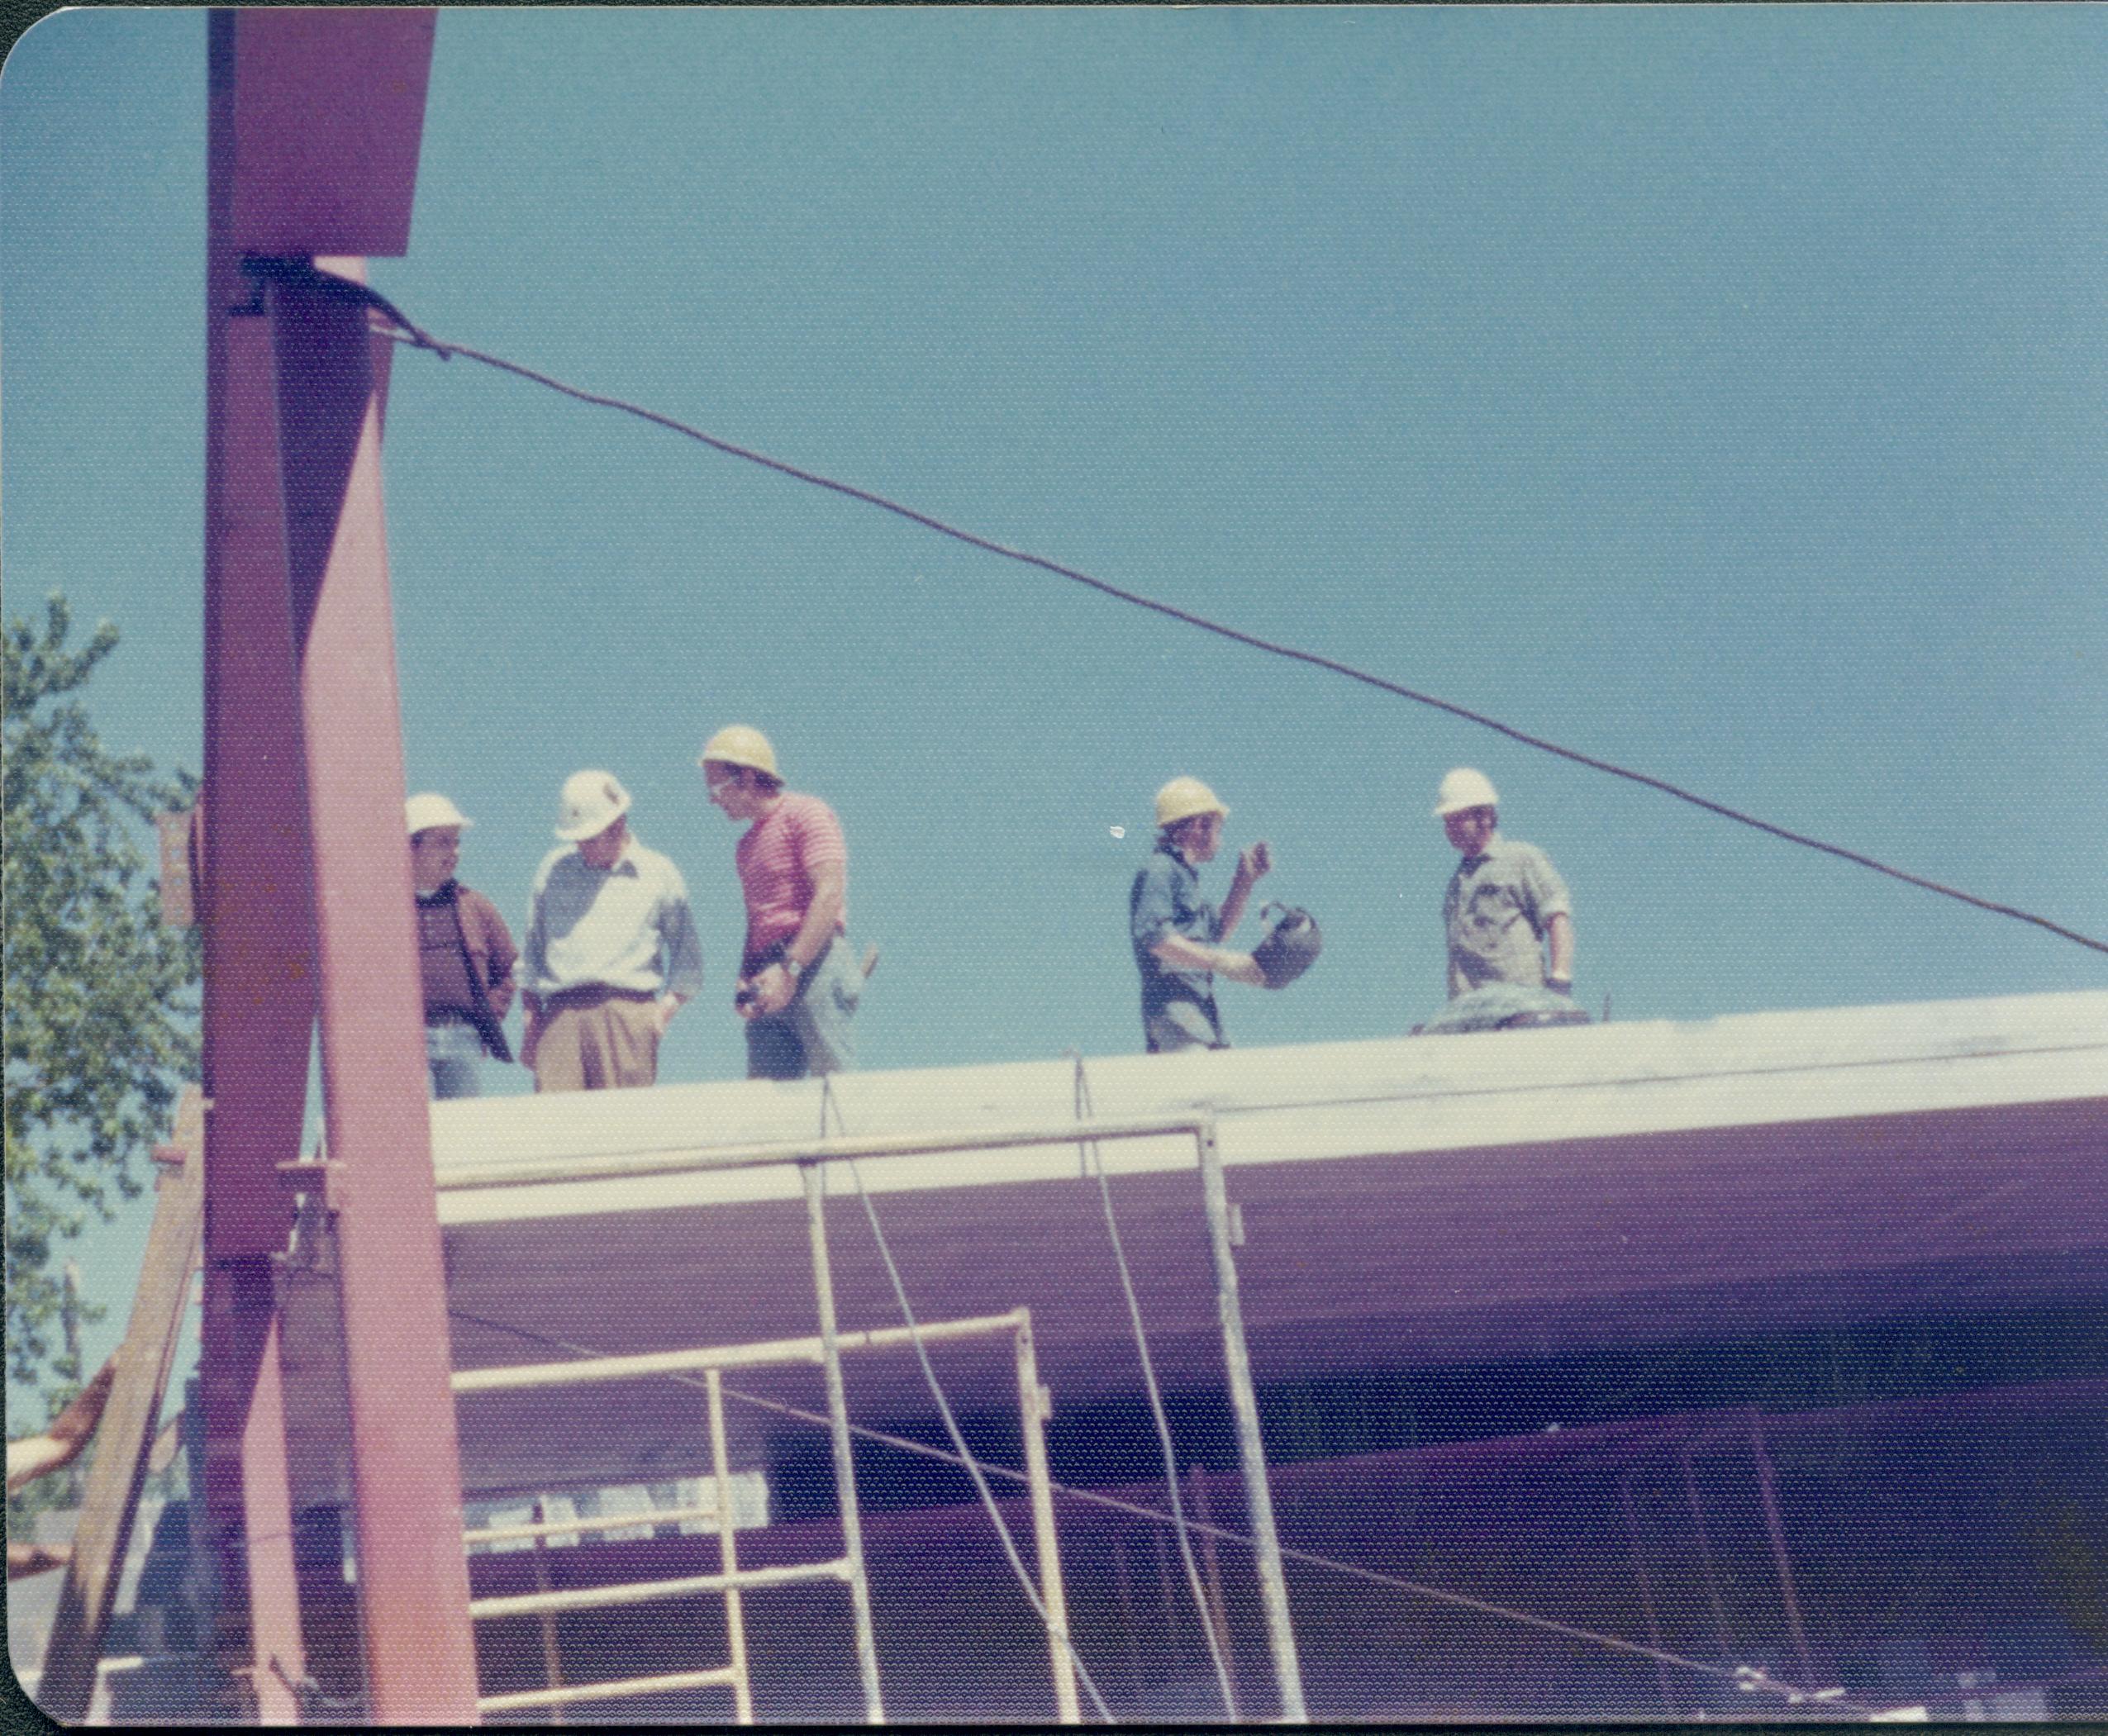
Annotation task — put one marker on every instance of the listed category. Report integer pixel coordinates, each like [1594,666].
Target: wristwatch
[792,967]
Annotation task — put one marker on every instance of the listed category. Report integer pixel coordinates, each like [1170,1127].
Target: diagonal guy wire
[412,335]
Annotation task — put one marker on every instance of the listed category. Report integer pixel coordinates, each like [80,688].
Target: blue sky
[1723,392]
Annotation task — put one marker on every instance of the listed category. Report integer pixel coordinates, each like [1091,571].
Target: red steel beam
[329,112]
[256,910]
[248,1505]
[317,116]
[398,1366]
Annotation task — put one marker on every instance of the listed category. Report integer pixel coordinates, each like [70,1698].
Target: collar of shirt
[442,895]
[627,860]
[1479,858]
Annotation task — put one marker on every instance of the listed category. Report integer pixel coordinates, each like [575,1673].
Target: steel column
[247,1491]
[256,917]
[823,1285]
[406,1464]
[1775,1529]
[1705,1553]
[1646,1584]
[1251,1449]
[317,116]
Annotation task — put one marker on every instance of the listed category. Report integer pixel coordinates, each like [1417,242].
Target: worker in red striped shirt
[798,987]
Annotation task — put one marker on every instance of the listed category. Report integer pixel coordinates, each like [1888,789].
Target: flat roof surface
[1405,1203]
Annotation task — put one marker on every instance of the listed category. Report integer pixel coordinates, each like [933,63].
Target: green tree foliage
[101,1024]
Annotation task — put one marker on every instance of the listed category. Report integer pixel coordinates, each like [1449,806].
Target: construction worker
[1177,937]
[799,988]
[464,948]
[611,954]
[1506,902]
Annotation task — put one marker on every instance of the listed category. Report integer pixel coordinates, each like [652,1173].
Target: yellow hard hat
[1182,798]
[736,745]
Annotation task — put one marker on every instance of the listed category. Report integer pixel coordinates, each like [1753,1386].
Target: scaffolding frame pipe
[1251,1449]
[811,1157]
[552,1649]
[597,1522]
[630,1688]
[651,1590]
[815,1179]
[1033,1405]
[771,1353]
[728,1548]
[658,1160]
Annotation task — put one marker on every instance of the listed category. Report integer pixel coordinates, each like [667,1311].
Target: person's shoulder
[804,808]
[1530,859]
[549,863]
[1159,865]
[473,900]
[646,860]
[659,870]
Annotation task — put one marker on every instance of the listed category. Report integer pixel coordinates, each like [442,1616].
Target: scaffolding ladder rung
[576,1372]
[598,1597]
[629,1688]
[652,1517]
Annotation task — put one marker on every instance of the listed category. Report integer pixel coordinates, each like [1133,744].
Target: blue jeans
[811,1035]
[451,1052]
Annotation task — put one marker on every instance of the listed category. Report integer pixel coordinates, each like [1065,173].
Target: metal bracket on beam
[321,1176]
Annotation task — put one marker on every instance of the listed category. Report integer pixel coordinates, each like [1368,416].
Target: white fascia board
[1304,1103]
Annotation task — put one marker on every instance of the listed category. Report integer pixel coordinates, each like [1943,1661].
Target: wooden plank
[125,1439]
[178,832]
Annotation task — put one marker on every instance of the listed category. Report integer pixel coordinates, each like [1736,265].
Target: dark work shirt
[448,994]
[1166,900]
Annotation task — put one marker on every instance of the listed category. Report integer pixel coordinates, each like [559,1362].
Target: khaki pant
[597,1040]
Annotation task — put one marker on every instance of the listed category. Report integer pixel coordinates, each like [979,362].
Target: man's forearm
[821,917]
[1179,953]
[33,1457]
[1560,932]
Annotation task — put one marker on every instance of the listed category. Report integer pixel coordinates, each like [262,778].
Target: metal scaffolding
[811,1157]
[825,1351]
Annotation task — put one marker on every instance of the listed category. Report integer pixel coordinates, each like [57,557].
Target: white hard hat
[591,802]
[422,813]
[1182,798]
[1464,789]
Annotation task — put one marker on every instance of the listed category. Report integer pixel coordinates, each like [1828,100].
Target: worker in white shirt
[610,954]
